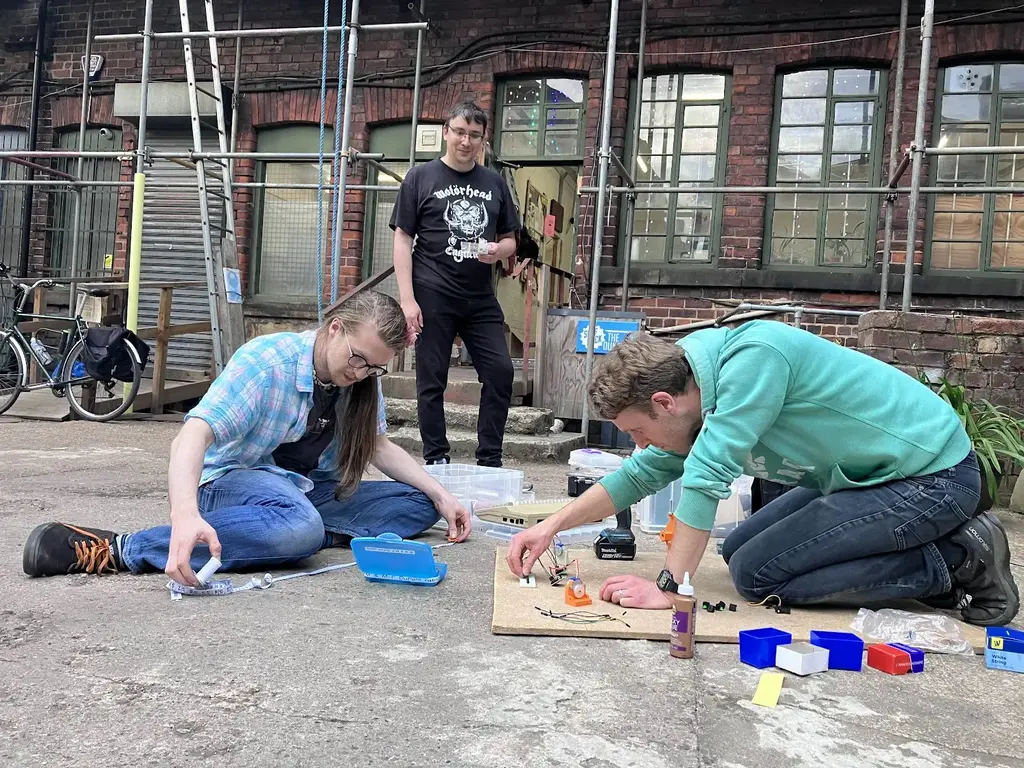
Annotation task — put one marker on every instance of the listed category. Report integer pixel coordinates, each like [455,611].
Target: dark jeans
[480,325]
[263,520]
[854,547]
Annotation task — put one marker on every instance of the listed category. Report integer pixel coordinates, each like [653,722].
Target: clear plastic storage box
[480,486]
[654,511]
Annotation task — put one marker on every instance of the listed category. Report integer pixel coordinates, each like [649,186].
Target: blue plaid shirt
[261,400]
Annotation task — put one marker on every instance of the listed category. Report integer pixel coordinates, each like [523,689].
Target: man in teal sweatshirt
[886,484]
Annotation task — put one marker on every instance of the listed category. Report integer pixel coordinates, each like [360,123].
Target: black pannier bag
[106,357]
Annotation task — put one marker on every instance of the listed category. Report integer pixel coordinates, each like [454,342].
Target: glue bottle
[684,615]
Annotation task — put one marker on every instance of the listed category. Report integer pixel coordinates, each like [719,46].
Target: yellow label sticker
[995,643]
[768,689]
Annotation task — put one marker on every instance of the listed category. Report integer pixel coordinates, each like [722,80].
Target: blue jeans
[854,547]
[263,520]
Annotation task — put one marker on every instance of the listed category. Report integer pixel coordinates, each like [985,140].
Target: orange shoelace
[93,556]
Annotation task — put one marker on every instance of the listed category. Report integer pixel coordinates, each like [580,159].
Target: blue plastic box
[390,558]
[845,649]
[916,656]
[1004,649]
[757,646]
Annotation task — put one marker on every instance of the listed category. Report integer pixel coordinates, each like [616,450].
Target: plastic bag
[927,631]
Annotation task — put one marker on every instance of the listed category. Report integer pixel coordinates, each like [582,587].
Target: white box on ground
[801,658]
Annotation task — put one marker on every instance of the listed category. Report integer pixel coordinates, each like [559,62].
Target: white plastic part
[686,588]
[529,581]
[801,658]
[594,459]
[211,567]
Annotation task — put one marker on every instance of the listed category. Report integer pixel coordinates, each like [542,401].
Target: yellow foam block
[768,689]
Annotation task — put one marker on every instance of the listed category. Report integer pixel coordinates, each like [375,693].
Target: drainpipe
[33,120]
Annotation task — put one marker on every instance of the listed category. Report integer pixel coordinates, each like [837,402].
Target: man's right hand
[413,315]
[526,548]
[186,532]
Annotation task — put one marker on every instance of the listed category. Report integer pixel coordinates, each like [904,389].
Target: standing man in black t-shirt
[453,220]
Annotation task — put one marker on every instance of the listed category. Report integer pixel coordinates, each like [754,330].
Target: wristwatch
[666,583]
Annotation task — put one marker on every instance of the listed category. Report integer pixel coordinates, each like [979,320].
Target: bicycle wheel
[13,367]
[95,400]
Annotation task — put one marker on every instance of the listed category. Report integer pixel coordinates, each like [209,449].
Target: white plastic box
[654,511]
[801,658]
[479,486]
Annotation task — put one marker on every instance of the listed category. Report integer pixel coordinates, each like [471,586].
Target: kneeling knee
[302,535]
[742,571]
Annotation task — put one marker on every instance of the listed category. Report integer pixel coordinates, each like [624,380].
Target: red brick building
[735,94]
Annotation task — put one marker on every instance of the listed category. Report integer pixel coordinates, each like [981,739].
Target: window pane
[692,249]
[855,112]
[519,143]
[797,201]
[650,223]
[846,253]
[845,224]
[850,169]
[1010,203]
[803,111]
[805,168]
[1008,225]
[958,226]
[658,114]
[563,119]
[661,87]
[523,92]
[654,168]
[801,140]
[695,200]
[795,224]
[700,139]
[703,87]
[1012,109]
[648,249]
[519,118]
[693,221]
[798,84]
[1010,168]
[848,202]
[965,168]
[969,79]
[1007,255]
[855,82]
[561,143]
[702,115]
[849,138]
[966,109]
[657,141]
[791,251]
[288,229]
[696,168]
[956,255]
[561,91]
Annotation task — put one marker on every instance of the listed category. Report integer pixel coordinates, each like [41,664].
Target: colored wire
[580,617]
[776,598]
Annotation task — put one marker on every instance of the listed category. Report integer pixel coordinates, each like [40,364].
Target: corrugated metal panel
[172,247]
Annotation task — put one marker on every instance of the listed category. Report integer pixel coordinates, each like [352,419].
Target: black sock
[953,554]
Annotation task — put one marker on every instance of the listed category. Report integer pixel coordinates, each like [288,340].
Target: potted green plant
[996,434]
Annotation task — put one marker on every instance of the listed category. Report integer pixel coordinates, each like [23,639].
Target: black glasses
[360,363]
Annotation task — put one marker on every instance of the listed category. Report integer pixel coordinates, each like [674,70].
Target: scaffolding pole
[235,100]
[917,149]
[416,88]
[76,224]
[139,185]
[634,153]
[231,34]
[604,156]
[647,190]
[346,130]
[894,146]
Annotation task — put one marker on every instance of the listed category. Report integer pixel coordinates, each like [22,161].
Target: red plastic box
[890,660]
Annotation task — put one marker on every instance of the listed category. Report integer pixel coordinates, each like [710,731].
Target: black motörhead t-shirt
[449,213]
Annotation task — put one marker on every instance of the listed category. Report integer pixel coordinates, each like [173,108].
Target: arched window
[979,105]
[827,132]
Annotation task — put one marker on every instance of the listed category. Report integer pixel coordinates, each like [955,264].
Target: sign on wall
[609,333]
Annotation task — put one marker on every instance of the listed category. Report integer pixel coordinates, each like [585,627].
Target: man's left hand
[492,256]
[456,516]
[634,592]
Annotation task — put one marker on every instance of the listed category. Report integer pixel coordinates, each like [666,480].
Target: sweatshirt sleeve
[641,475]
[752,385]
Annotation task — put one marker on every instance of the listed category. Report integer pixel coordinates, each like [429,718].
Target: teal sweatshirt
[782,404]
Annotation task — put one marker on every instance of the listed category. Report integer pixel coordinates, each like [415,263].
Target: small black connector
[732,607]
[782,609]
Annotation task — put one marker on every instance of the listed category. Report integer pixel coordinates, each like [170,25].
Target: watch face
[664,579]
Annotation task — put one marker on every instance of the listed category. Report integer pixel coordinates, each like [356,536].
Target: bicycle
[70,372]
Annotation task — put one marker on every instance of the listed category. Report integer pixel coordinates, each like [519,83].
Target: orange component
[576,594]
[668,531]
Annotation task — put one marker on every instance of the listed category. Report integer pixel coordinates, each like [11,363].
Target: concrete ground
[332,670]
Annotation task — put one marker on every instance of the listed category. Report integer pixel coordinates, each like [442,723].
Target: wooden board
[515,610]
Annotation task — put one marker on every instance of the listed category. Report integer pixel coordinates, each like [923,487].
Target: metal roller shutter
[172,249]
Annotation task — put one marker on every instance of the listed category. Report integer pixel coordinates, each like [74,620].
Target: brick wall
[466,55]
[986,355]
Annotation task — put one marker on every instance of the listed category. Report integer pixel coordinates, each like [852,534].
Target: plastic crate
[480,486]
[654,511]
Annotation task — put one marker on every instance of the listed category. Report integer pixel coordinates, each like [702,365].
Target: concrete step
[555,448]
[521,420]
[463,387]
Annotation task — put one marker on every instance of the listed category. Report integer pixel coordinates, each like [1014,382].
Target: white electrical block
[529,581]
[801,658]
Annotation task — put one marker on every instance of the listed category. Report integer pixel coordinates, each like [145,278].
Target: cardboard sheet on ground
[515,612]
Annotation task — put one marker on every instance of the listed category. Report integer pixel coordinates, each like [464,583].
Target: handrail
[369,283]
